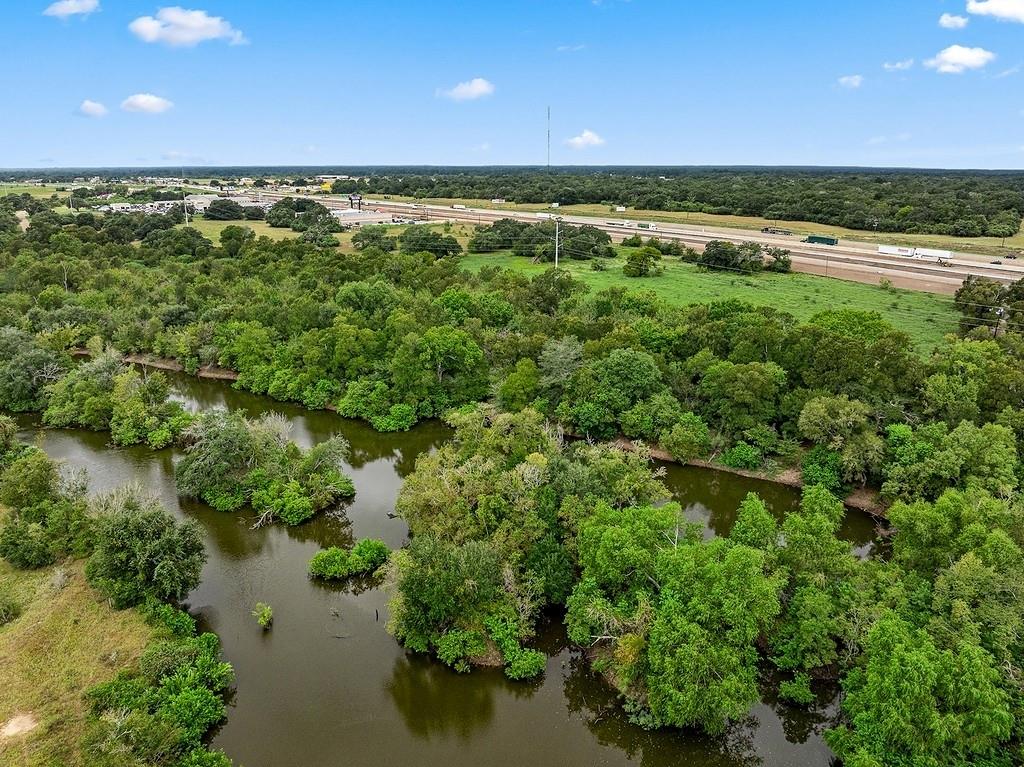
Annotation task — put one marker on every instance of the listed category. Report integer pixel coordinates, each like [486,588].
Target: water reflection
[435,702]
[327,685]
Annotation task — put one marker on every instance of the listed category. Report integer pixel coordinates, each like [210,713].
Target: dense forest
[515,515]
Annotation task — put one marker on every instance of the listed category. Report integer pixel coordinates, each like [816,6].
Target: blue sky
[661,82]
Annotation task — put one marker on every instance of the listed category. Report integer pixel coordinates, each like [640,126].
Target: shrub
[70,529]
[285,501]
[525,664]
[742,456]
[651,417]
[30,479]
[456,648]
[264,615]
[141,550]
[200,757]
[25,545]
[399,418]
[822,466]
[167,617]
[550,564]
[9,608]
[798,690]
[336,563]
[520,662]
[688,439]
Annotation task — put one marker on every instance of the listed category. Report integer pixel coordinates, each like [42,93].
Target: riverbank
[65,641]
[863,499]
[213,372]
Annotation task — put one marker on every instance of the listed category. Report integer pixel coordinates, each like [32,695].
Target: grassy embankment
[992,246]
[64,642]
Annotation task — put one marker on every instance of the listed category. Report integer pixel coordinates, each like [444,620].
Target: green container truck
[821,239]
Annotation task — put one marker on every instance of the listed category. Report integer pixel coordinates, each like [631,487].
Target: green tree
[914,704]
[142,551]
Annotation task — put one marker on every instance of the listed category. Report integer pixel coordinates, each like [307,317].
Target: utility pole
[184,203]
[558,221]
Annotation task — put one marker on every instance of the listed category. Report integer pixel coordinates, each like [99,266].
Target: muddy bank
[864,499]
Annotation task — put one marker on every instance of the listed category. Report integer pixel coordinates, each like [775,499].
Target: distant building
[353,217]
[200,202]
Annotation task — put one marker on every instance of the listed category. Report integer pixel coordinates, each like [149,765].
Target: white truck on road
[941,257]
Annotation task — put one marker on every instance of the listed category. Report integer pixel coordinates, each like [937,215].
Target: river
[327,686]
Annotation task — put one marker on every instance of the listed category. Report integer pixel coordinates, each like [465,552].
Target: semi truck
[821,239]
[942,257]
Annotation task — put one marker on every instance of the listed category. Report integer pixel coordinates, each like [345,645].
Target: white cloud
[1004,10]
[1008,72]
[146,102]
[91,108]
[952,21]
[570,48]
[851,81]
[957,59]
[64,8]
[484,146]
[179,27]
[586,139]
[898,66]
[476,88]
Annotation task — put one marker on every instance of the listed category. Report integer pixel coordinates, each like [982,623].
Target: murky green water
[327,686]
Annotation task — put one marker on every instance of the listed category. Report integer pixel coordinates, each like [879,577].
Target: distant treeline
[959,203]
[964,205]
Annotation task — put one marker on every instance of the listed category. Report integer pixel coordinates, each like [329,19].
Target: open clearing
[211,229]
[925,317]
[64,642]
[44,191]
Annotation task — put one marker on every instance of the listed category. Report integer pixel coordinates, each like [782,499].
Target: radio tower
[549,138]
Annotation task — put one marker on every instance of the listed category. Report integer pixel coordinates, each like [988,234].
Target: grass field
[982,245]
[64,642]
[211,229]
[35,191]
[925,317]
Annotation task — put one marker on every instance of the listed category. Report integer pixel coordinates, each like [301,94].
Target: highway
[844,261]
